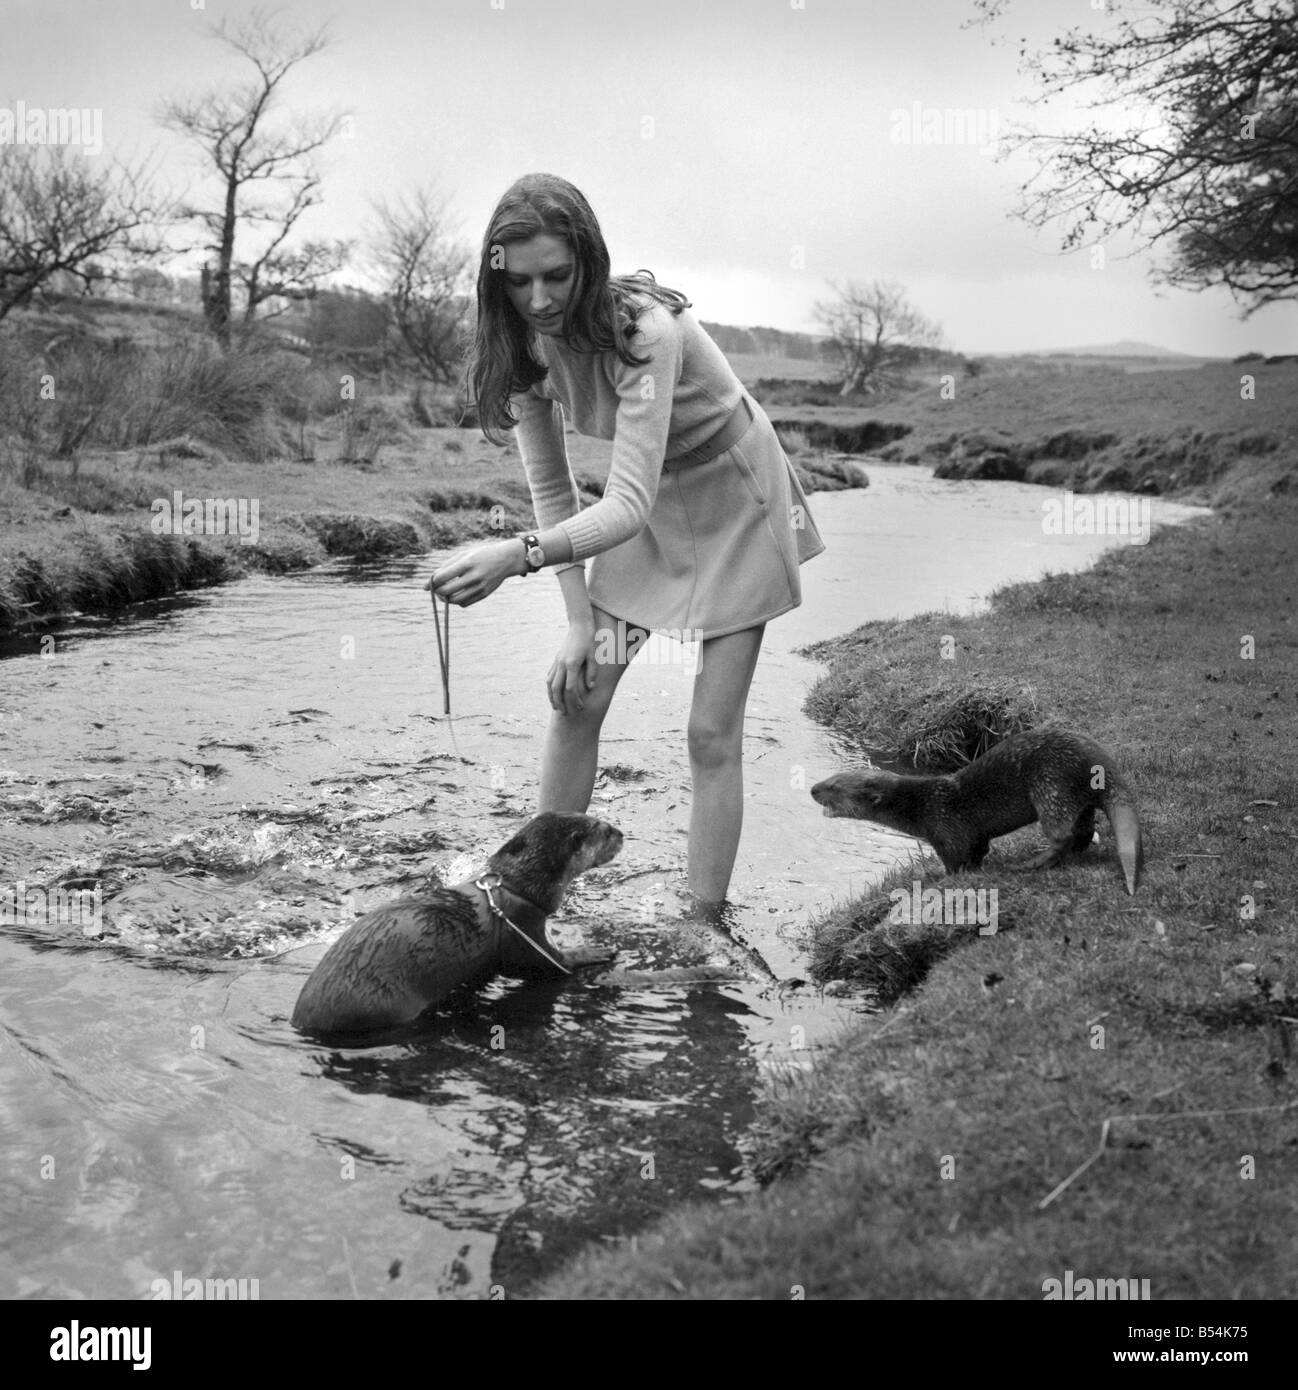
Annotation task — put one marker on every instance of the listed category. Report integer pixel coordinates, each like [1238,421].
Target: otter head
[550,851]
[862,795]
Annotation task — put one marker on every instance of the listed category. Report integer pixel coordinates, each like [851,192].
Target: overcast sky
[743,150]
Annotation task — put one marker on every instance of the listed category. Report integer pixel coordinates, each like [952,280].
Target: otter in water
[395,962]
[1047,774]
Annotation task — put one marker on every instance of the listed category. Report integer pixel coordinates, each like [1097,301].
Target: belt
[730,433]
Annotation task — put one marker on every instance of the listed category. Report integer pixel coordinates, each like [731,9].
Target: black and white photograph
[648,652]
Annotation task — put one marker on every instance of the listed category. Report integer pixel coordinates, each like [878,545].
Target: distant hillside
[775,342]
[769,342]
[1126,348]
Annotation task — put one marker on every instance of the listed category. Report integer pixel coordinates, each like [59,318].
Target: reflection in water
[599,1111]
[240,772]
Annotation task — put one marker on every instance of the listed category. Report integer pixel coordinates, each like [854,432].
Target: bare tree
[61,214]
[233,130]
[427,279]
[873,332]
[292,274]
[1204,157]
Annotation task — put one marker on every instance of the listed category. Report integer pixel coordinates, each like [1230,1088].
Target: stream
[230,776]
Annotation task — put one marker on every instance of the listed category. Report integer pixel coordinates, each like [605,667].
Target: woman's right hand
[572,673]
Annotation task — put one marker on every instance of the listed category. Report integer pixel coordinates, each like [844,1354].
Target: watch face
[536,557]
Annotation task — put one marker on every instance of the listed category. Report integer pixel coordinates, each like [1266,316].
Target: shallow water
[241,770]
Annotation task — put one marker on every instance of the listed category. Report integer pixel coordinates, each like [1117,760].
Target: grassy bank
[85,540]
[1180,433]
[82,539]
[930,1154]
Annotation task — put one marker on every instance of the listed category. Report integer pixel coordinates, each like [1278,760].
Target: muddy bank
[1102,460]
[1209,434]
[96,564]
[105,570]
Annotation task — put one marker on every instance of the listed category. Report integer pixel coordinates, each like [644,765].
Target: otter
[1048,774]
[400,959]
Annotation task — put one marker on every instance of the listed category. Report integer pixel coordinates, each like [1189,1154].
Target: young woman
[702,525]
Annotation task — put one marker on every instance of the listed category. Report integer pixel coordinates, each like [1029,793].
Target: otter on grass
[1048,774]
[398,960]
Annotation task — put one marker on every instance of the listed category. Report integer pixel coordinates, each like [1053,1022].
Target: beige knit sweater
[682,396]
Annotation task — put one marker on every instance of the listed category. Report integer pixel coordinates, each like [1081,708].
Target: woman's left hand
[470,575]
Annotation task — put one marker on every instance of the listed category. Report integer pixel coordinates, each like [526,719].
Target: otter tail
[1121,811]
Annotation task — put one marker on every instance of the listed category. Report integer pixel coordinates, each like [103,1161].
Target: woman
[702,525]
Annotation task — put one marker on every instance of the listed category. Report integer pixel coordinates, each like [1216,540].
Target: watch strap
[530,541]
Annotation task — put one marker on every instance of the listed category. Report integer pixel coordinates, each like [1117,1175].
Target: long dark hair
[601,312]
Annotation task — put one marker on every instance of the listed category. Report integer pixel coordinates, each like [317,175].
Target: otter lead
[1048,774]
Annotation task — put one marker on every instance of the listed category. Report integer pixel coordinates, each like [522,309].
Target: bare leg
[571,757]
[716,744]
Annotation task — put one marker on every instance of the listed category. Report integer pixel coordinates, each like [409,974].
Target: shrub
[120,395]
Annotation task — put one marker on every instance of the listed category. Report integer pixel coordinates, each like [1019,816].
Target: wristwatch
[533,555]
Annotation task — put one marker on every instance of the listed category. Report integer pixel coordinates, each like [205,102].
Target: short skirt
[721,548]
